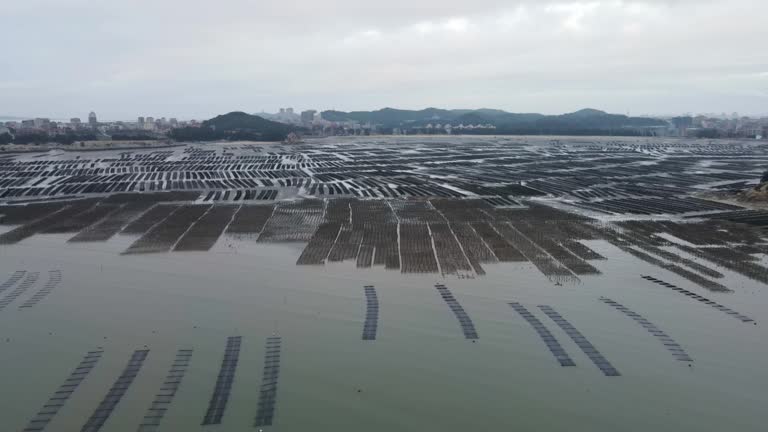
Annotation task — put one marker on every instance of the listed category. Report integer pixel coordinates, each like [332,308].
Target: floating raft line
[371,314]
[601,362]
[113,396]
[15,277]
[60,396]
[554,346]
[467,326]
[702,299]
[265,411]
[677,351]
[163,399]
[221,391]
[19,290]
[54,277]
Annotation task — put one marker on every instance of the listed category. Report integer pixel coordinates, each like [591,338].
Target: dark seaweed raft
[11,281]
[250,220]
[693,295]
[265,411]
[113,223]
[467,326]
[554,346]
[206,231]
[371,313]
[83,219]
[60,396]
[163,399]
[601,362]
[220,396]
[151,218]
[165,234]
[54,278]
[31,228]
[113,396]
[677,351]
[19,290]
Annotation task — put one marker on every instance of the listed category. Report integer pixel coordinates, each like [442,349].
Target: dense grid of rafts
[371,313]
[241,195]
[452,236]
[11,281]
[154,216]
[554,346]
[677,351]
[542,237]
[165,234]
[320,244]
[460,216]
[163,399]
[23,286]
[113,223]
[293,222]
[51,219]
[379,245]
[751,217]
[220,396]
[352,229]
[702,299]
[118,390]
[637,242]
[83,219]
[21,214]
[734,258]
[54,278]
[265,411]
[206,231]
[467,326]
[449,252]
[60,396]
[543,261]
[250,220]
[667,205]
[417,254]
[601,362]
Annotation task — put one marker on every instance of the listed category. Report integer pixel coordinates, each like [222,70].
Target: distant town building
[27,124]
[92,120]
[42,123]
[140,122]
[308,116]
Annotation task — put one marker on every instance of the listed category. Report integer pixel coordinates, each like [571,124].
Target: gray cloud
[199,58]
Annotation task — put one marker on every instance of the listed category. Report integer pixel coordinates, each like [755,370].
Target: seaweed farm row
[697,297]
[614,176]
[266,403]
[171,384]
[20,282]
[445,236]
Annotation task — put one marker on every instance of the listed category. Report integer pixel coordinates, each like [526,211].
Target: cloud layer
[192,58]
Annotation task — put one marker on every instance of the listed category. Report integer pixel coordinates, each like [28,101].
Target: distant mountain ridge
[505,122]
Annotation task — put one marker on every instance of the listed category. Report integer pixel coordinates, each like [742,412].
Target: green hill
[234,126]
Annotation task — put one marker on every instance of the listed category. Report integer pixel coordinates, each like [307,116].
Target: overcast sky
[198,58]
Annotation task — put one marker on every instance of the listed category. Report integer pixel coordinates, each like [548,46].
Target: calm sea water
[419,375]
